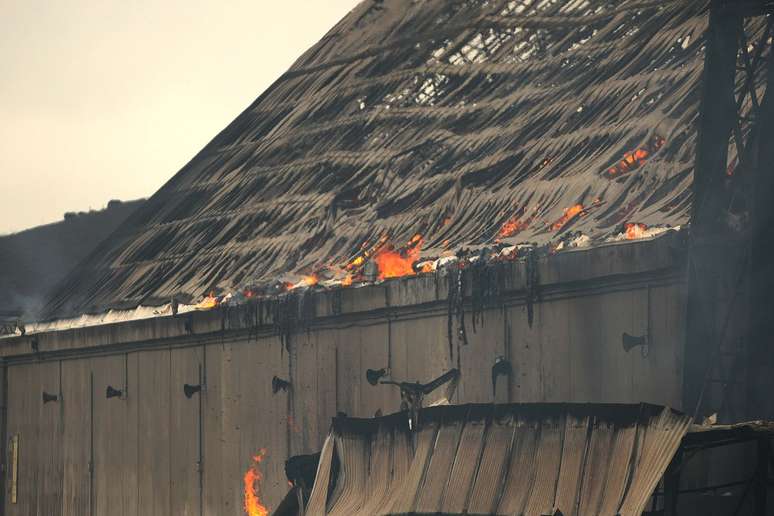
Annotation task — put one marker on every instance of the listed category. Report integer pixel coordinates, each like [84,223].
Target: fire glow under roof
[445,118]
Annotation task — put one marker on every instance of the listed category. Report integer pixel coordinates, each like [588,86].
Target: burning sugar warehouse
[462,258]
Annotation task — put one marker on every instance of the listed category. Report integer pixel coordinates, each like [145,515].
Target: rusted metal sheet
[442,118]
[529,459]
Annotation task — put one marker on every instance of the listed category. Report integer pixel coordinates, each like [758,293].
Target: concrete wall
[158,453]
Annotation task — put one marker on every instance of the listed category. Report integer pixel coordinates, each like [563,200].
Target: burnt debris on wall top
[414,129]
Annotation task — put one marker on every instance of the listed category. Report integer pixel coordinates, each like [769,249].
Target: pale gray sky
[107,99]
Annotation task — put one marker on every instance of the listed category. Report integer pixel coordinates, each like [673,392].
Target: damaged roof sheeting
[530,459]
[443,118]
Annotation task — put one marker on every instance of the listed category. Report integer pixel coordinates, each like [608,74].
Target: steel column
[717,117]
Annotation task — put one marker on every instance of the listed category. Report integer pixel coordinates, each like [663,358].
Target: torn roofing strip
[470,126]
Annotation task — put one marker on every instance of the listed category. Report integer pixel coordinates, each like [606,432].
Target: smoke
[25,307]
[34,262]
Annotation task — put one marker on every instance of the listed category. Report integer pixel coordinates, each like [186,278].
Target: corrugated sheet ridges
[446,118]
[527,459]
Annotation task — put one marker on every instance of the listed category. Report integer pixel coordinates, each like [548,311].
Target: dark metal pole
[761,363]
[717,117]
[672,484]
[761,477]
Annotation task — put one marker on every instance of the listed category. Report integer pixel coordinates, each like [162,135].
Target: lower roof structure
[531,459]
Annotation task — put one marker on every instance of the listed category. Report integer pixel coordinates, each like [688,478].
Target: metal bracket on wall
[630,341]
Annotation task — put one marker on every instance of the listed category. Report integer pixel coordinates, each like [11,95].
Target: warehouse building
[536,195]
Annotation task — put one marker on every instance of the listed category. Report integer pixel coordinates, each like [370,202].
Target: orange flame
[569,214]
[208,302]
[511,227]
[366,253]
[635,159]
[394,264]
[252,480]
[347,281]
[307,281]
[635,231]
[357,262]
[427,267]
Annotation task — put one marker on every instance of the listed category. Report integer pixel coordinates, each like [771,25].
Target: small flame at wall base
[252,480]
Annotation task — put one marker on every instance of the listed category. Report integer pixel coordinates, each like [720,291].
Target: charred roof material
[450,119]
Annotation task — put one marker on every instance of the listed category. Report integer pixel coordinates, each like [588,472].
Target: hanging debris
[456,308]
[531,294]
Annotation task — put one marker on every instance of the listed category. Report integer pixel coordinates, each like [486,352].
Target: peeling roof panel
[445,118]
[527,459]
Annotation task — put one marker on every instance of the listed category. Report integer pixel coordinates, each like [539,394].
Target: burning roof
[414,129]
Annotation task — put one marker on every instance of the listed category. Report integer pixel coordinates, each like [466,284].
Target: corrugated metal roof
[530,459]
[445,118]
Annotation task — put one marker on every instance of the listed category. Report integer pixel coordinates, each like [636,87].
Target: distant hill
[33,261]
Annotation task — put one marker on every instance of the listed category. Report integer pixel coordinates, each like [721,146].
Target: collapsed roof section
[465,122]
[498,459]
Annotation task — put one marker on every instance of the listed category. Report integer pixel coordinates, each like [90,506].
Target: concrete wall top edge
[579,269]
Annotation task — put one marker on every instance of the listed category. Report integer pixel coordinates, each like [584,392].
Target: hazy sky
[107,99]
